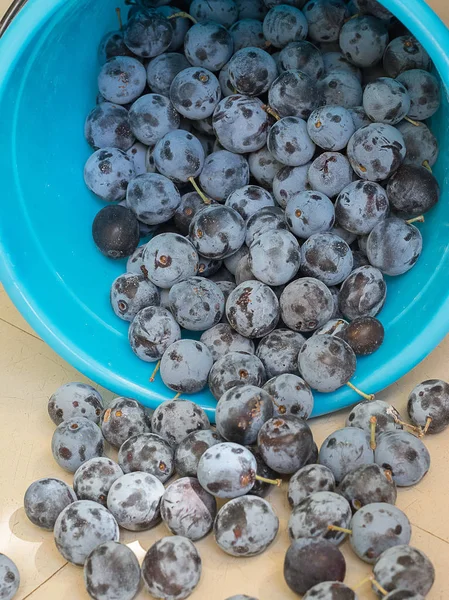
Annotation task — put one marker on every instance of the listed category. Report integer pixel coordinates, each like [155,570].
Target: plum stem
[426,426]
[412,121]
[119,17]
[388,475]
[184,15]
[156,369]
[377,585]
[419,219]
[276,482]
[373,423]
[362,583]
[200,192]
[427,166]
[359,392]
[337,528]
[176,396]
[271,112]
[417,430]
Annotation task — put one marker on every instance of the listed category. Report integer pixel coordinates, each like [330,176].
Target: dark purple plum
[116,231]
[208,45]
[163,69]
[148,34]
[223,173]
[235,369]
[251,71]
[274,257]
[309,562]
[252,309]
[366,484]
[309,480]
[325,19]
[196,303]
[289,142]
[124,417]
[404,53]
[217,231]
[173,420]
[112,571]
[75,441]
[313,515]
[81,527]
[365,335]
[10,578]
[189,451]
[195,92]
[285,443]
[290,395]
[284,24]
[171,568]
[187,509]
[294,94]
[93,479]
[404,455]
[179,155]
[45,499]
[424,92]
[224,12]
[363,40]
[134,500]
[185,366]
[361,205]
[75,400]
[306,304]
[302,56]
[412,191]
[246,526]
[250,200]
[147,453]
[169,258]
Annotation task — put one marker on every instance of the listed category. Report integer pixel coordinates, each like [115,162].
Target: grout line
[430,533]
[46,580]
[33,335]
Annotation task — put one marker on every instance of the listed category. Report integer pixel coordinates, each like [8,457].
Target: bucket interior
[59,280]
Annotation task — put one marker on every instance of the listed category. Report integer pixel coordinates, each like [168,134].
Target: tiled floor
[30,371]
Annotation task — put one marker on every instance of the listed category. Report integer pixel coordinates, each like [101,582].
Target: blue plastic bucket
[48,262]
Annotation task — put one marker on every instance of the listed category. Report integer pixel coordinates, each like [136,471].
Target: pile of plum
[264,164]
[347,488]
[278,157]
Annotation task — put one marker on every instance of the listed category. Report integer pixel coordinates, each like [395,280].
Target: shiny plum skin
[309,562]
